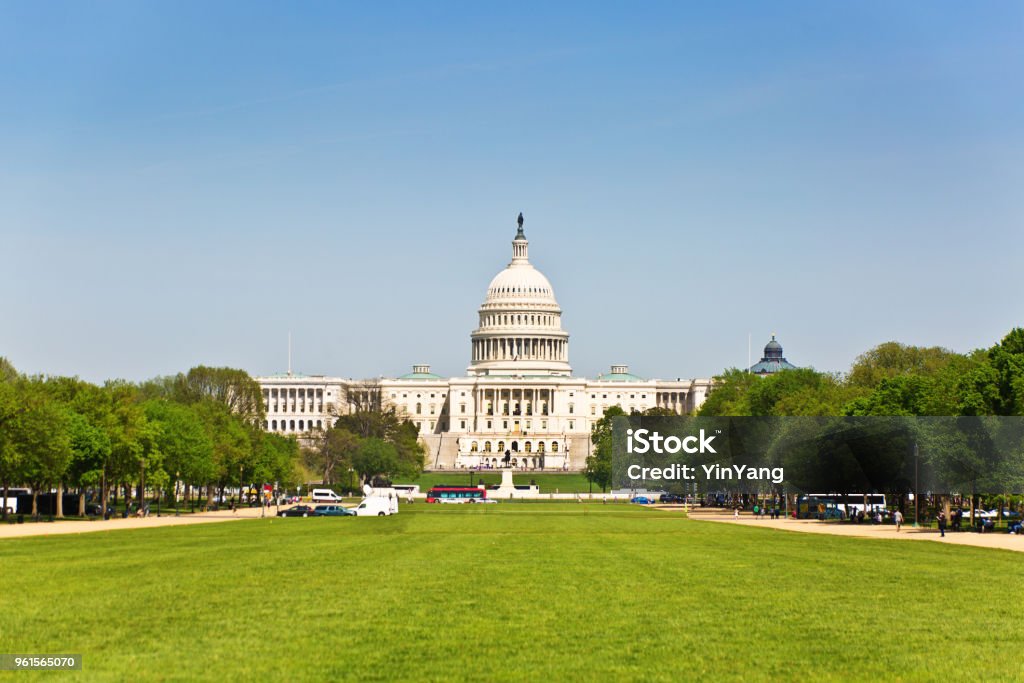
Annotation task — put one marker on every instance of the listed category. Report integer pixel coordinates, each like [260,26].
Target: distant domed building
[518,404]
[773,360]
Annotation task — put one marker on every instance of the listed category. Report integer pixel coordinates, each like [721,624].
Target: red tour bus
[455,494]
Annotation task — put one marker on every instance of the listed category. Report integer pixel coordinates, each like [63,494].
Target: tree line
[890,379]
[201,428]
[199,431]
[829,451]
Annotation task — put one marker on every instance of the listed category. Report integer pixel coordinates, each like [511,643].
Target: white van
[376,506]
[325,496]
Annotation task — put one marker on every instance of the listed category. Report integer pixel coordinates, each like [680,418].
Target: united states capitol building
[518,398]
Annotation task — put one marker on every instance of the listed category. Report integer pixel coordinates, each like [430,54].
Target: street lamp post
[177,480]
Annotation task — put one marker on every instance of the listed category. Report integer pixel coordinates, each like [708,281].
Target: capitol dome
[520,330]
[521,281]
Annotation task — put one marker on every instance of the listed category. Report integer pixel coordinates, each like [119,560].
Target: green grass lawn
[511,591]
[568,482]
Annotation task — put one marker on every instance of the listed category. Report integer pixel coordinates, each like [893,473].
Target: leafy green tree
[182,439]
[277,458]
[599,463]
[1007,361]
[10,408]
[375,457]
[90,448]
[802,391]
[232,388]
[893,359]
[335,450]
[41,435]
[729,394]
[370,421]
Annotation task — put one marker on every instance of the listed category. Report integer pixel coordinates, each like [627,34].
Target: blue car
[641,500]
[333,511]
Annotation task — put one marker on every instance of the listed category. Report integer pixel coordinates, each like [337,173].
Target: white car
[377,506]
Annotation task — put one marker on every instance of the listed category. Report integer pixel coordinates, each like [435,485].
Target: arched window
[292,425]
[528,447]
[487,446]
[501,447]
[540,446]
[301,427]
[319,424]
[515,446]
[473,447]
[274,427]
[554,446]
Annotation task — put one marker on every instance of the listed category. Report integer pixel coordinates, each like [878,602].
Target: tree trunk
[60,500]
[35,502]
[81,502]
[142,485]
[103,492]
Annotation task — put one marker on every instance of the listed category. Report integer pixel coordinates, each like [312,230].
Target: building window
[419,408]
[571,423]
[487,446]
[462,425]
[571,407]
[489,424]
[554,446]
[462,407]
[593,410]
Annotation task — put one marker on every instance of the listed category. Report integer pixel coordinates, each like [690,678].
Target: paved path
[1001,540]
[81,527]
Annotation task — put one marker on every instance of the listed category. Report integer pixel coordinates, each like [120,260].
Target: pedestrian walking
[898,518]
[942,524]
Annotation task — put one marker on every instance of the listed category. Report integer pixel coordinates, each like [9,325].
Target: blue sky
[185,183]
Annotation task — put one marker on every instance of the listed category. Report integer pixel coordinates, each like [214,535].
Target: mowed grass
[510,592]
[549,482]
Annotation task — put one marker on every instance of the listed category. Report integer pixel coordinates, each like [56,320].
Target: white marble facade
[518,397]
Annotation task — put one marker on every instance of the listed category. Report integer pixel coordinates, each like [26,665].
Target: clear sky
[184,183]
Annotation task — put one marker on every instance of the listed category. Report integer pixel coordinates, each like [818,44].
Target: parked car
[641,500]
[486,501]
[670,498]
[325,496]
[298,511]
[333,511]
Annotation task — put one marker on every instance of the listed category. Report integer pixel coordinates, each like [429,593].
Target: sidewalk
[167,519]
[1001,540]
